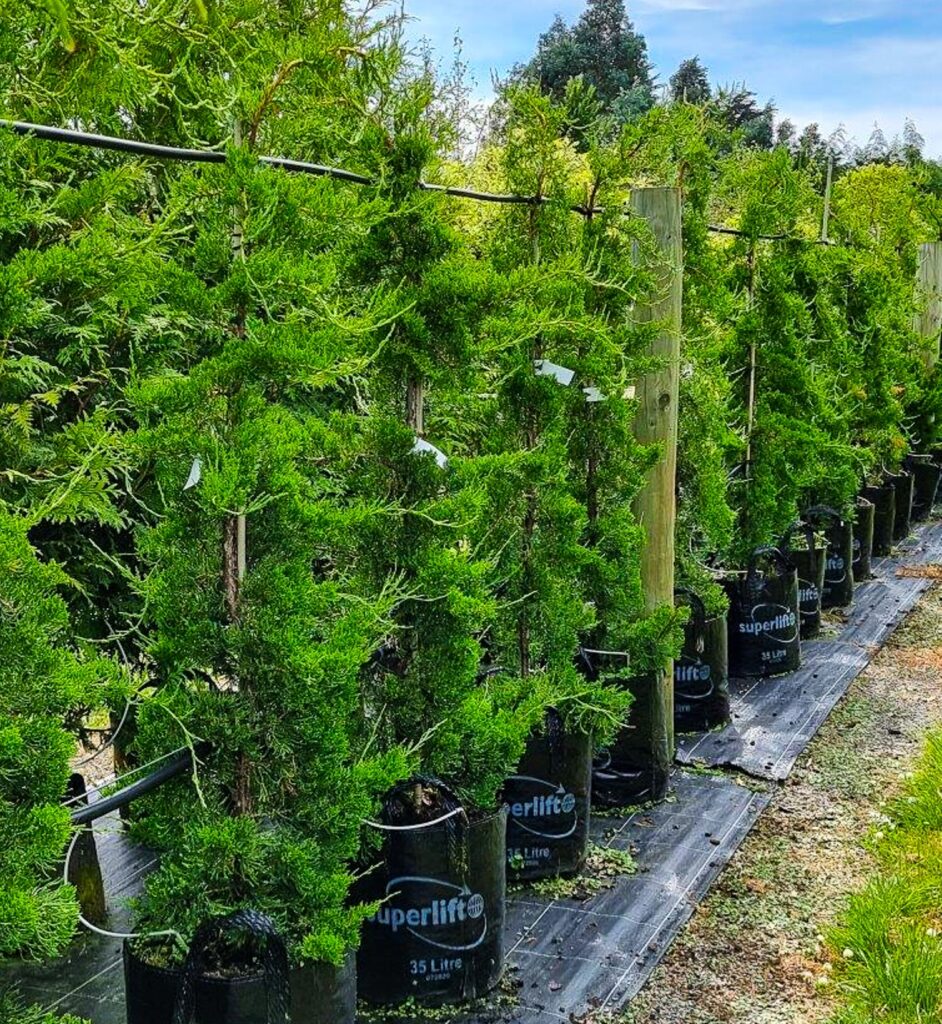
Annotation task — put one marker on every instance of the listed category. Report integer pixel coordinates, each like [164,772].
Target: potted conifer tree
[253,630]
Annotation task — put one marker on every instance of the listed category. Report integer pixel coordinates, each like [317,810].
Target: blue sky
[850,62]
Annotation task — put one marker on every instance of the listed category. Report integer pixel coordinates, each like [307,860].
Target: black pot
[811,566]
[863,540]
[319,994]
[838,573]
[926,476]
[438,937]
[884,517]
[764,631]
[810,563]
[701,673]
[635,768]
[548,803]
[903,485]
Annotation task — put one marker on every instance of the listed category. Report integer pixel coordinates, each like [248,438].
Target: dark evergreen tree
[877,149]
[786,134]
[690,83]
[602,47]
[913,143]
[740,112]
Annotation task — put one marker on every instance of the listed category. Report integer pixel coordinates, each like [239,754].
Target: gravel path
[753,952]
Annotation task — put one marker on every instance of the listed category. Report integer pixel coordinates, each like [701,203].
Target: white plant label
[562,375]
[593,395]
[629,393]
[421,445]
[196,473]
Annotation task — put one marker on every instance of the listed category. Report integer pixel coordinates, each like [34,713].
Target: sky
[836,62]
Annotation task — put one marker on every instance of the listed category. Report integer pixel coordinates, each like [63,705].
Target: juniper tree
[254,629]
[425,686]
[564,545]
[796,428]
[878,211]
[46,685]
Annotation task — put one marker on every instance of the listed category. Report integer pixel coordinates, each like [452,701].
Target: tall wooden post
[656,423]
[826,216]
[929,288]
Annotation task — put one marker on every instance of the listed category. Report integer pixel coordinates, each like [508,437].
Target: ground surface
[752,953]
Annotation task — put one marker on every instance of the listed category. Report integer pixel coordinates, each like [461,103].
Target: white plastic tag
[196,473]
[593,395]
[629,393]
[562,374]
[421,445]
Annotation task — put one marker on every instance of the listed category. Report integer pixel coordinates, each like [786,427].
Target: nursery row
[363,493]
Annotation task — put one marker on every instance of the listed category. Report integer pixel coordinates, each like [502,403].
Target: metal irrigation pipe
[73,137]
[718,229]
[177,765]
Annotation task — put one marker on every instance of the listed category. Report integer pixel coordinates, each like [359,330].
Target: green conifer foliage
[265,667]
[14,1011]
[45,685]
[426,687]
[257,646]
[876,210]
[798,435]
[564,544]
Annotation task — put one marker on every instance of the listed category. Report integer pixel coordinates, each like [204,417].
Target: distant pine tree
[602,47]
[690,83]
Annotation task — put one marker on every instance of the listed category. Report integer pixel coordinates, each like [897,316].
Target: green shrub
[14,1011]
[45,685]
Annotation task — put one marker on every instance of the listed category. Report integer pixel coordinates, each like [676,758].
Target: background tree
[690,83]
[602,47]
[738,109]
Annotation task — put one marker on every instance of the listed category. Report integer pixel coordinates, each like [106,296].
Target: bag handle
[274,963]
[773,554]
[825,512]
[697,607]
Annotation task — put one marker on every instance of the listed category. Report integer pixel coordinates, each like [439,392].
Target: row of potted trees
[394,557]
[355,473]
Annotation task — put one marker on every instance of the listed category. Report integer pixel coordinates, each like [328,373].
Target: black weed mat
[775,719]
[88,981]
[568,959]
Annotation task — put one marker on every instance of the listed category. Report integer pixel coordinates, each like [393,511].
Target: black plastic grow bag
[438,937]
[701,673]
[763,616]
[548,802]
[314,993]
[926,476]
[839,573]
[884,517]
[863,540]
[903,485]
[636,767]
[810,562]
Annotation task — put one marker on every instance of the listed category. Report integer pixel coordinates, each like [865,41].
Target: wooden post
[929,288]
[656,423]
[826,217]
[753,362]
